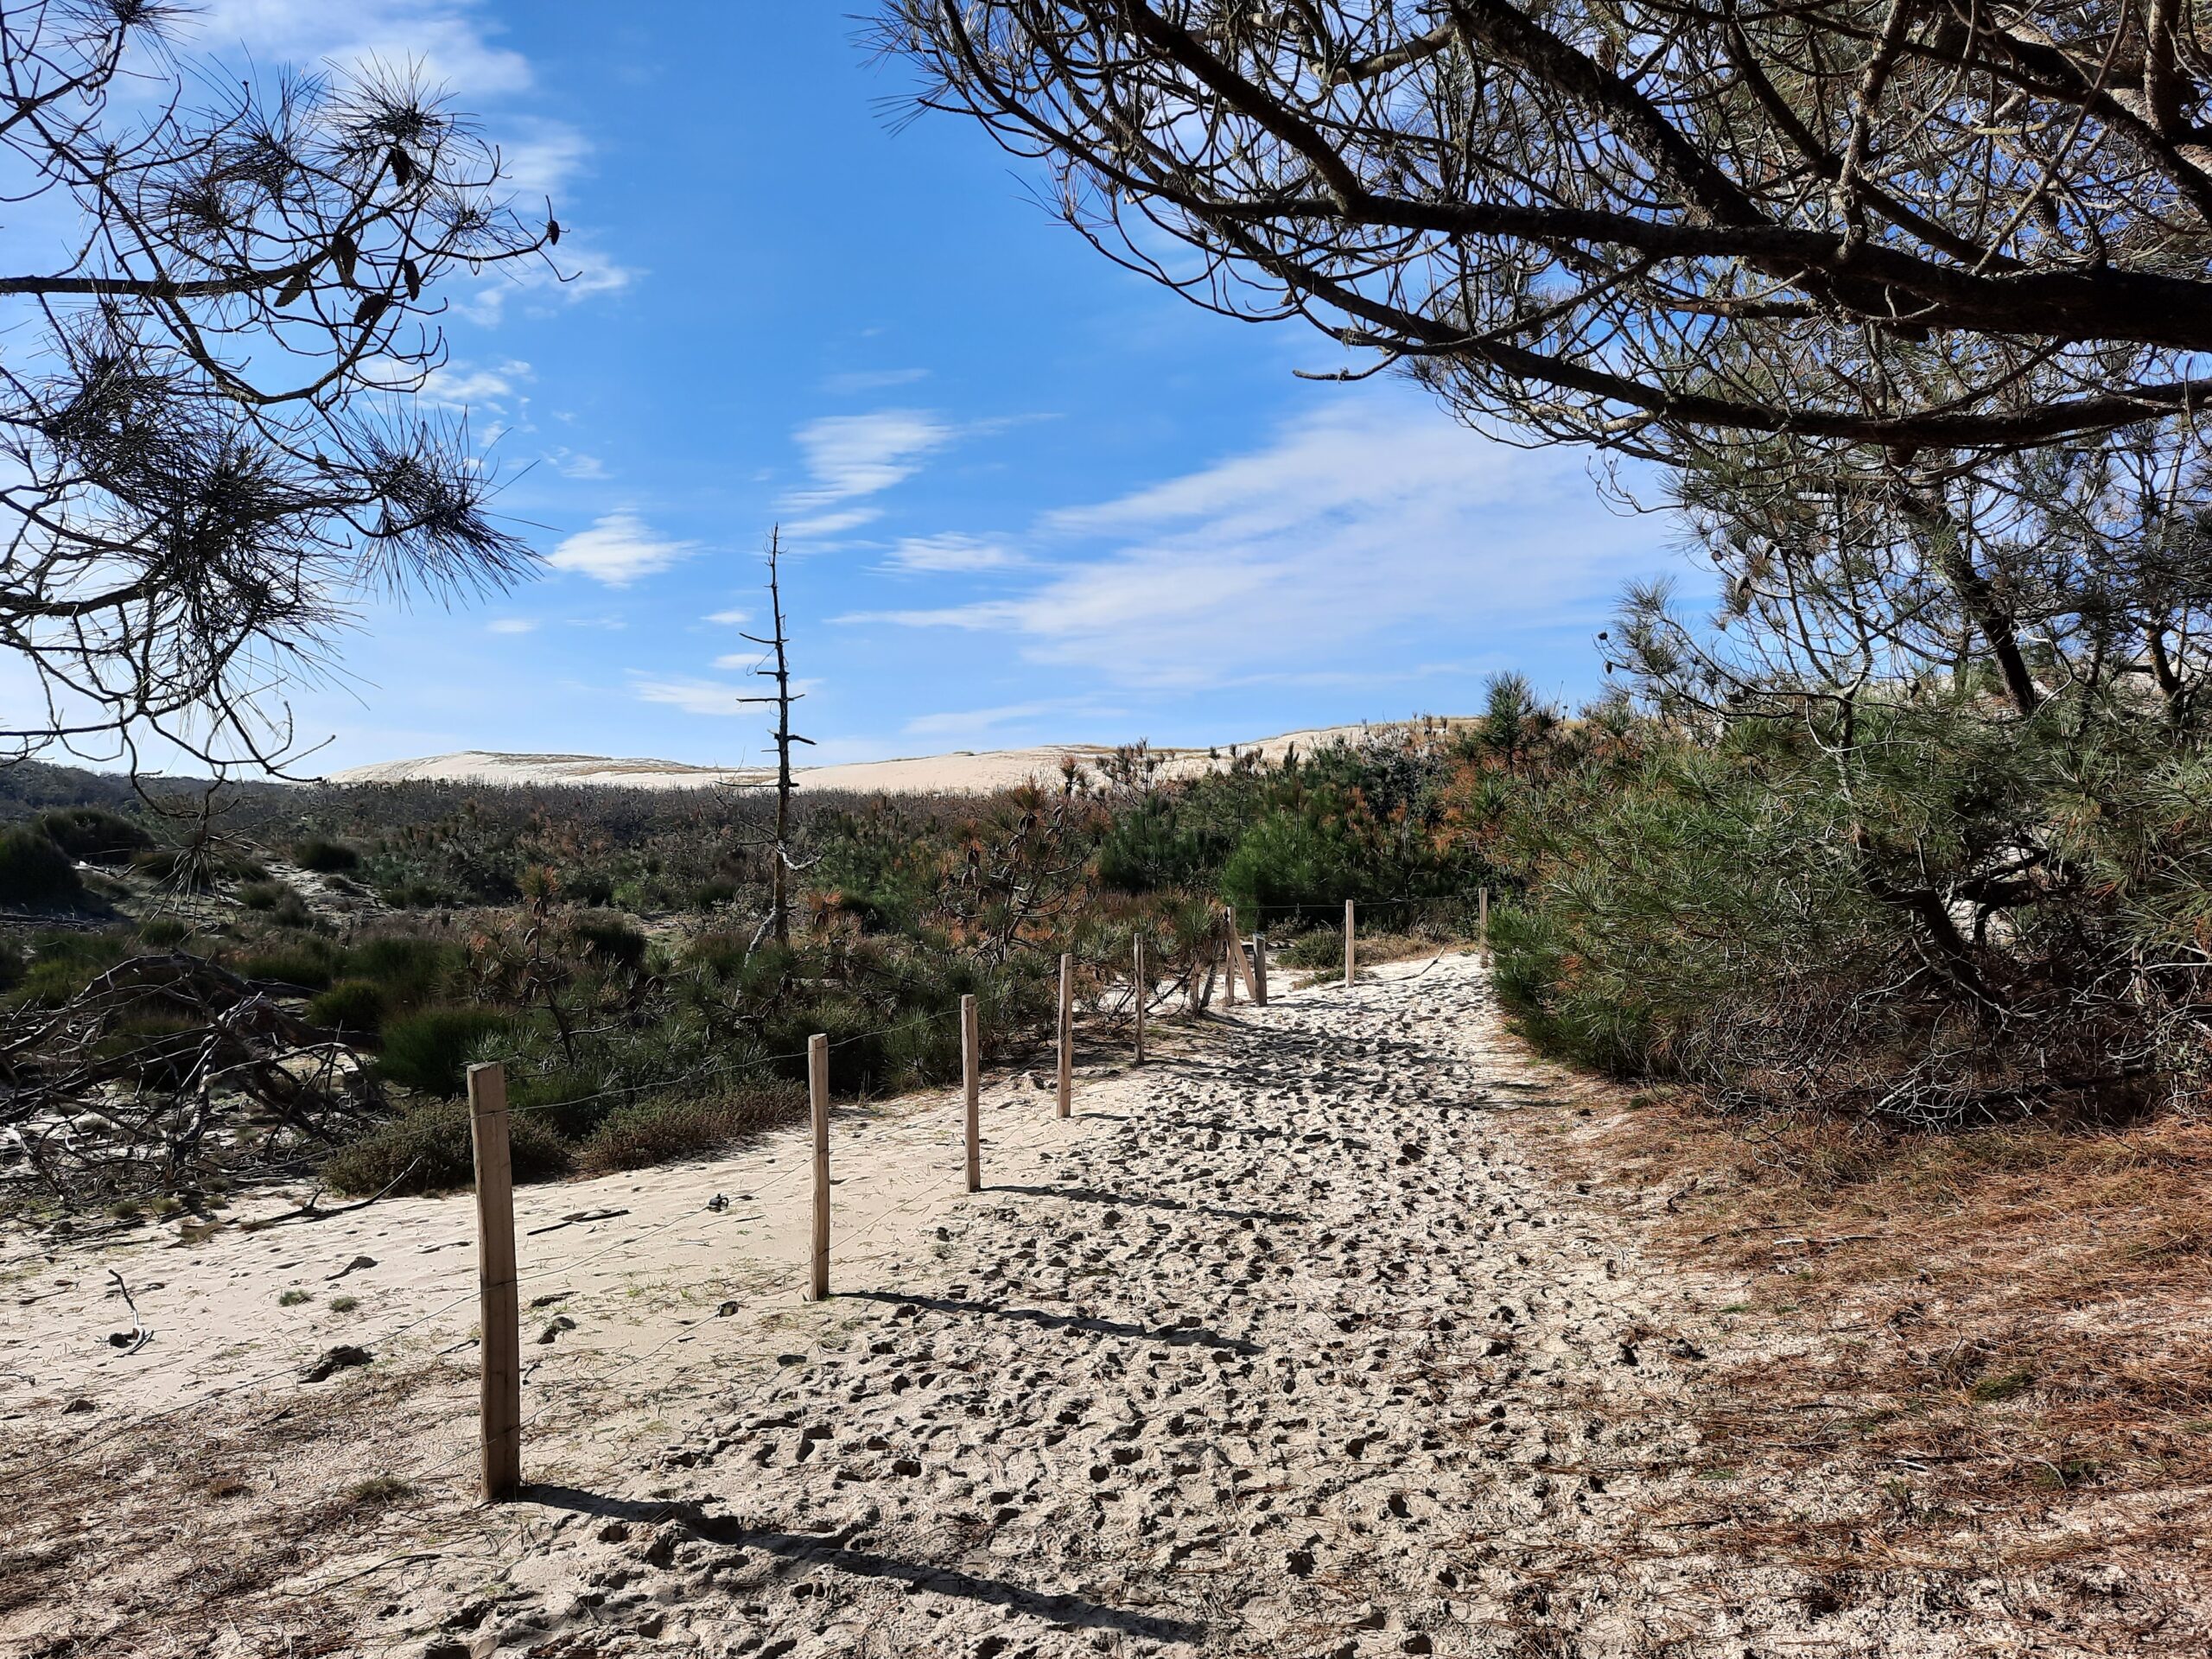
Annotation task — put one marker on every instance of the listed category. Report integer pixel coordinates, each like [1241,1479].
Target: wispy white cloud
[619,550]
[454,40]
[512,624]
[738,661]
[964,722]
[579,272]
[984,615]
[1368,517]
[695,696]
[541,155]
[872,380]
[852,456]
[460,385]
[698,697]
[733,619]
[949,553]
[822,525]
[571,463]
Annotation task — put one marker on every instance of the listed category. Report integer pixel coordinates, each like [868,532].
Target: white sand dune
[965,772]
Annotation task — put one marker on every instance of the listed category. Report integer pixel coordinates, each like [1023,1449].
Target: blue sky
[1030,497]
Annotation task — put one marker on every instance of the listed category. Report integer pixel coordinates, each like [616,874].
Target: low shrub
[1287,858]
[324,856]
[36,872]
[613,939]
[164,932]
[92,835]
[410,969]
[196,868]
[656,1131]
[415,895]
[63,963]
[571,1101]
[351,1008]
[262,895]
[308,963]
[429,1050]
[1321,950]
[427,1149]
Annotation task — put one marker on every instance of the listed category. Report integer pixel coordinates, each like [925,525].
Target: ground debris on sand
[1326,1332]
[1299,1349]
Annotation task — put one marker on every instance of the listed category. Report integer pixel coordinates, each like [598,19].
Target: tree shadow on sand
[836,1551]
[1193,1336]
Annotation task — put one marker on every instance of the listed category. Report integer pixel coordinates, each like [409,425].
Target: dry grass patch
[659,1131]
[2007,1333]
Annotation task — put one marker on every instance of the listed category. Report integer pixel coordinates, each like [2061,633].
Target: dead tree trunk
[779,917]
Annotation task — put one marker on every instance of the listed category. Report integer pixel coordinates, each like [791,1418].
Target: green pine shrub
[34,873]
[429,1050]
[302,960]
[408,968]
[612,939]
[355,1008]
[427,1148]
[92,835]
[324,856]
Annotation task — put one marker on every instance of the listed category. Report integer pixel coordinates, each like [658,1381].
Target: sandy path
[1295,1351]
[1286,1344]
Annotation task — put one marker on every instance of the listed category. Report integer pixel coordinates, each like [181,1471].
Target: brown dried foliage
[2004,1332]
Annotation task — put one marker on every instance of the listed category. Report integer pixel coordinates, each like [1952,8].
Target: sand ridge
[965,772]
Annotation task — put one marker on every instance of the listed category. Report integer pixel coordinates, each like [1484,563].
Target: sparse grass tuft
[379,1490]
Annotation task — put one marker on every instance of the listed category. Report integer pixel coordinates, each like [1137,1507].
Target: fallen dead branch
[166,1073]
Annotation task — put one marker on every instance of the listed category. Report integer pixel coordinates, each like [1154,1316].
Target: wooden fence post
[1144,995]
[971,1085]
[1482,914]
[1067,1033]
[1350,960]
[1260,969]
[1239,966]
[818,1086]
[1232,959]
[499,1313]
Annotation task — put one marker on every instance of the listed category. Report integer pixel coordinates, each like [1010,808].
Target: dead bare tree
[782,864]
[206,412]
[1911,224]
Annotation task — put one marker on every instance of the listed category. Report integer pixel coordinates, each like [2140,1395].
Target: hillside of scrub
[193,1003]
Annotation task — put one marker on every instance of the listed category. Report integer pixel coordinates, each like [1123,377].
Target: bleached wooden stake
[1238,967]
[1260,969]
[1482,918]
[1350,954]
[1144,995]
[498,1312]
[817,1087]
[1067,1034]
[1231,957]
[971,1086]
